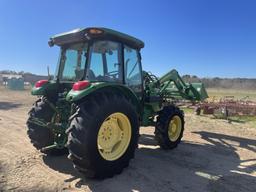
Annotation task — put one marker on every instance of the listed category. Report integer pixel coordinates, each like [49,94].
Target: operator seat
[91,75]
[79,73]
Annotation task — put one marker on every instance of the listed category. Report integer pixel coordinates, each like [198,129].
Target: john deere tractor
[98,99]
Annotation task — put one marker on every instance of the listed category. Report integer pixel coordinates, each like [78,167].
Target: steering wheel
[112,74]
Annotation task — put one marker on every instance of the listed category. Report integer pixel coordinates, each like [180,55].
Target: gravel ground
[214,156]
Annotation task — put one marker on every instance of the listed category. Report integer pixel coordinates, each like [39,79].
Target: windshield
[104,62]
[72,62]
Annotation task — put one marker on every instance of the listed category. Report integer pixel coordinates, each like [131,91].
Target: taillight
[80,85]
[40,83]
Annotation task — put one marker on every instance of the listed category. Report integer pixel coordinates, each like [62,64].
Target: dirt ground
[213,156]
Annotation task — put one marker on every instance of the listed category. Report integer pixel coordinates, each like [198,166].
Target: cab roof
[94,33]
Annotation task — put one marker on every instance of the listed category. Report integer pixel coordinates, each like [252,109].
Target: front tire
[169,127]
[103,135]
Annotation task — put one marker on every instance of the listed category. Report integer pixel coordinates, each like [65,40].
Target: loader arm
[173,86]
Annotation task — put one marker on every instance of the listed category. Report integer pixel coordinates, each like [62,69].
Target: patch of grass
[243,118]
[238,94]
[187,110]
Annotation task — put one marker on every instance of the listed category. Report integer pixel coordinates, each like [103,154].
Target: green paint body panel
[149,111]
[50,86]
[76,96]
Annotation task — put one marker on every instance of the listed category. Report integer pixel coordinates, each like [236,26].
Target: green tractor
[98,99]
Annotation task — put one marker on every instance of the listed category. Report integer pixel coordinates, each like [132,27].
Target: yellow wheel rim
[174,128]
[114,136]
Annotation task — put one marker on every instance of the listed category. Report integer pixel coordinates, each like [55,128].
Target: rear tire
[41,136]
[83,135]
[162,130]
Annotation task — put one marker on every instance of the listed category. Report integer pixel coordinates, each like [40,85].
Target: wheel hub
[114,136]
[174,128]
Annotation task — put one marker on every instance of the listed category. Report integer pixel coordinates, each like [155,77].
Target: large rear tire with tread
[96,114]
[41,136]
[169,127]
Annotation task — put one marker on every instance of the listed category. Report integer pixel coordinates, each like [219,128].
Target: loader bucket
[200,89]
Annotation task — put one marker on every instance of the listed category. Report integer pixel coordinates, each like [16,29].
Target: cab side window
[132,70]
[105,60]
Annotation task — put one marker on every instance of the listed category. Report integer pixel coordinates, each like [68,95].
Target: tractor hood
[86,34]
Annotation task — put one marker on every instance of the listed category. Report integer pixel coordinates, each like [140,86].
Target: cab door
[132,70]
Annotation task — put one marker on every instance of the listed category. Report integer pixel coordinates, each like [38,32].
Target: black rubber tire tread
[41,136]
[161,128]
[83,130]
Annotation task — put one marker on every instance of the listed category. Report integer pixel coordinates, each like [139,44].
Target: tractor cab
[99,55]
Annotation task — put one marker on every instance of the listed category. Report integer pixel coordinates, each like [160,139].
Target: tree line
[225,83]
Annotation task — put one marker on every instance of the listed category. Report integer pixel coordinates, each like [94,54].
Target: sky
[207,38]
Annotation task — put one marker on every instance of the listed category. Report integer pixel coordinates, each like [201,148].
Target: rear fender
[50,86]
[77,96]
